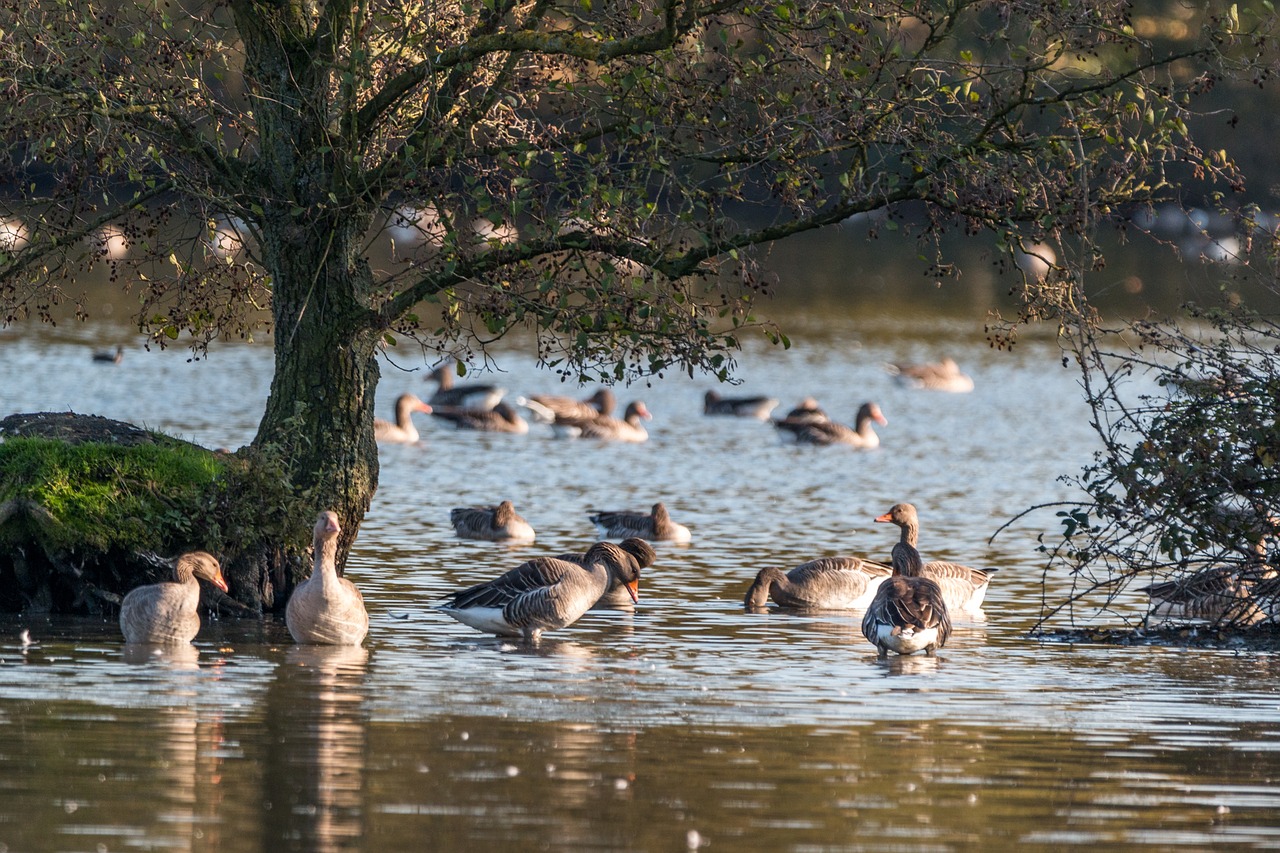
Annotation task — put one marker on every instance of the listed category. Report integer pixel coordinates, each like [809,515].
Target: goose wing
[527,577]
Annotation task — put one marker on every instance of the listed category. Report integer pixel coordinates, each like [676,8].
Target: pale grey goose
[963,587]
[326,608]
[165,613]
[402,431]
[828,583]
[828,432]
[492,523]
[655,525]
[941,375]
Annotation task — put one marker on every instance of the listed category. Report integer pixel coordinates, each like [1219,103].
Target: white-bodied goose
[828,583]
[963,587]
[501,418]
[617,596]
[472,395]
[326,608]
[550,408]
[165,613]
[627,428]
[942,375]
[654,526]
[402,431]
[493,523]
[545,593]
[742,407]
[828,432]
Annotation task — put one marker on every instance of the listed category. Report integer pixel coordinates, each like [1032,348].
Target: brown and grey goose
[963,587]
[617,596]
[908,612]
[828,583]
[471,395]
[743,407]
[629,427]
[493,523]
[325,608]
[544,593]
[550,408]
[655,525]
[501,418]
[165,613]
[402,431]
[807,411]
[941,375]
[828,432]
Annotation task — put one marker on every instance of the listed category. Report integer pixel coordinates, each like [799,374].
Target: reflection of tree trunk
[316,750]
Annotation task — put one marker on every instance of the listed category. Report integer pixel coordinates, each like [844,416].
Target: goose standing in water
[165,612]
[963,587]
[628,428]
[551,408]
[501,418]
[326,608]
[906,615]
[942,375]
[544,593]
[472,395]
[827,432]
[493,523]
[828,583]
[402,431]
[742,407]
[655,526]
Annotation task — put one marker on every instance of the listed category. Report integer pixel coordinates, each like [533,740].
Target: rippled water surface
[687,723]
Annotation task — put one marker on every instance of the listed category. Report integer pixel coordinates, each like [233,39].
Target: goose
[963,587]
[473,395]
[743,407]
[544,593]
[501,418]
[906,615]
[828,583]
[549,408]
[616,596]
[654,526]
[942,375]
[326,608]
[402,431]
[827,432]
[165,613]
[494,523]
[808,411]
[109,357]
[628,428]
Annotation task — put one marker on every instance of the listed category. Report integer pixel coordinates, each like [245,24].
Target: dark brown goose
[402,431]
[492,523]
[828,583]
[742,407]
[326,608]
[165,613]
[907,615]
[807,411]
[501,418]
[472,395]
[963,587]
[655,525]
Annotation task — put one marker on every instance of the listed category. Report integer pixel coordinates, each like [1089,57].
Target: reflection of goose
[963,587]
[942,375]
[743,407]
[501,418]
[544,593]
[828,583]
[493,523]
[828,432]
[473,395]
[627,428]
[655,525]
[908,612]
[326,608]
[402,431]
[549,408]
[165,612]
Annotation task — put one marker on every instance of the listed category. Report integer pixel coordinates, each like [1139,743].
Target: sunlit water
[688,723]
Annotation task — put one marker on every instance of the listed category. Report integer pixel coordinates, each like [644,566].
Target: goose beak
[633,589]
[220,582]
[422,407]
[884,517]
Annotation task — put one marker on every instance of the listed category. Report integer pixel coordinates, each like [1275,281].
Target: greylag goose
[806,411]
[326,608]
[628,428]
[165,613]
[828,432]
[550,408]
[473,395]
[109,357]
[494,523]
[828,583]
[906,615]
[942,375]
[617,596]
[963,587]
[501,418]
[402,431]
[654,526]
[545,593]
[742,407]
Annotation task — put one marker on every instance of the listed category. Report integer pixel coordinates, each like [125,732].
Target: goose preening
[544,593]
[402,431]
[550,408]
[828,583]
[627,428]
[617,596]
[742,407]
[827,432]
[493,523]
[963,587]
[472,395]
[942,375]
[501,418]
[109,357]
[165,612]
[326,608]
[655,525]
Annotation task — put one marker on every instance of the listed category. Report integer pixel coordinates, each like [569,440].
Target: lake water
[685,724]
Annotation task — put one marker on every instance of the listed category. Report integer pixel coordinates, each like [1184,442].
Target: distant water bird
[109,357]
[492,523]
[942,375]
[743,407]
[472,395]
[963,588]
[806,411]
[402,431]
[629,427]
[545,593]
[501,418]
[656,526]
[549,408]
[828,583]
[828,432]
[325,608]
[617,597]
[1221,594]
[165,612]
